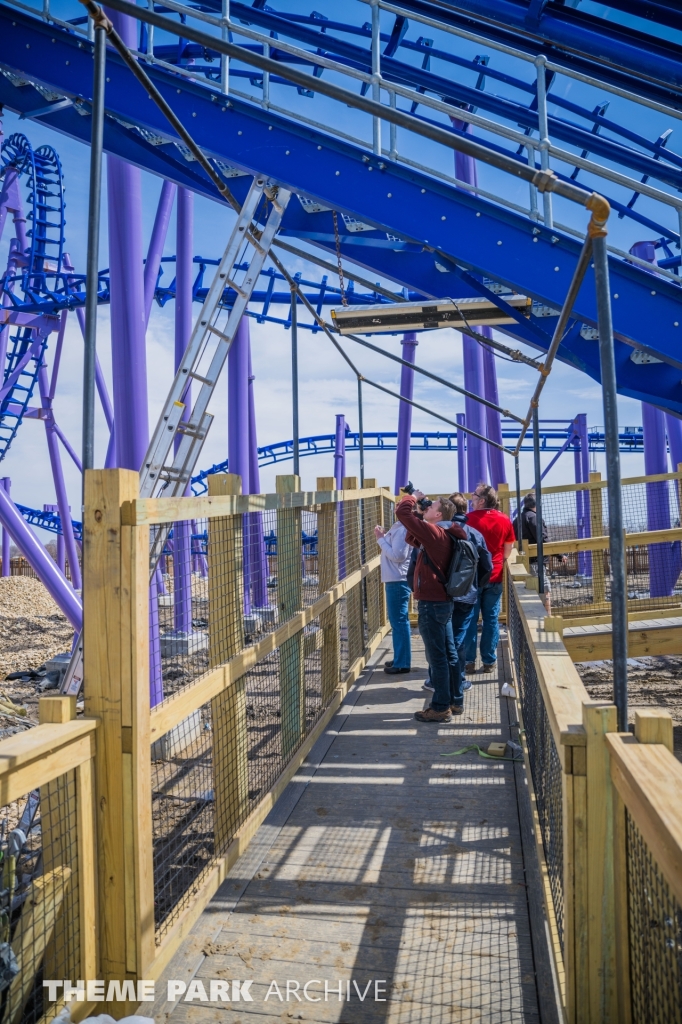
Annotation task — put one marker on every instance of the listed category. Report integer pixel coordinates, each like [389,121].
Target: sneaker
[470,666]
[466,685]
[428,685]
[391,670]
[429,715]
[457,709]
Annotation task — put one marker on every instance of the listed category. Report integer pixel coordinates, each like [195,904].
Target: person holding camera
[435,606]
[395,561]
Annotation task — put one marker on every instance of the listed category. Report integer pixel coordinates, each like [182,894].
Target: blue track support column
[6,483]
[402,458]
[461,455]
[339,473]
[238,427]
[182,531]
[664,559]
[498,473]
[581,461]
[258,559]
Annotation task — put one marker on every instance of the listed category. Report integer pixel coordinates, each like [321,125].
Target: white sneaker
[428,685]
[466,685]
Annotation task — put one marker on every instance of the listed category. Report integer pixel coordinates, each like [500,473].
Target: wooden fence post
[225,639]
[289,598]
[383,616]
[371,512]
[354,597]
[597,530]
[599,719]
[328,575]
[116,684]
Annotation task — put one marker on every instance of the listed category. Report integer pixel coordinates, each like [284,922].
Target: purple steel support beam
[673,428]
[461,454]
[155,673]
[39,560]
[11,201]
[581,461]
[664,559]
[58,478]
[61,550]
[238,428]
[477,461]
[402,457]
[339,473]
[258,558]
[6,552]
[182,531]
[156,244]
[496,465]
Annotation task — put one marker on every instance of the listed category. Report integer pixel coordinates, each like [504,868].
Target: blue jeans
[435,626]
[462,614]
[397,604]
[489,601]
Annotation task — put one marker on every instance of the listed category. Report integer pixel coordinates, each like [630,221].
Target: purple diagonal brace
[6,552]
[156,244]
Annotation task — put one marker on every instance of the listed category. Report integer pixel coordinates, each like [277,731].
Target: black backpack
[462,572]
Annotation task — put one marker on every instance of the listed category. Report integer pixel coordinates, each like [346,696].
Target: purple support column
[402,458]
[477,462]
[238,428]
[156,244]
[461,455]
[258,559]
[477,468]
[6,551]
[39,560]
[339,473]
[673,428]
[664,559]
[581,461]
[128,322]
[182,531]
[155,674]
[496,465]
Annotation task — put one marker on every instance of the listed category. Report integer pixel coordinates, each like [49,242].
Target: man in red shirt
[499,536]
[435,606]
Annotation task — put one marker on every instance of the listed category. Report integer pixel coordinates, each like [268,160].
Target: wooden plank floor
[383,862]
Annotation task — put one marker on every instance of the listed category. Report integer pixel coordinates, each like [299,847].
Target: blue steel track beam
[521,263]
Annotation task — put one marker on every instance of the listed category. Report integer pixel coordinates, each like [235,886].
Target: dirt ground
[654,682]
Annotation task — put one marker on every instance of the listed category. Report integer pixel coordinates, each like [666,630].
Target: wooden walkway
[385,862]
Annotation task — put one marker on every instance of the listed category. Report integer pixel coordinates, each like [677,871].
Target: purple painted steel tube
[498,473]
[339,473]
[182,531]
[39,560]
[461,454]
[402,457]
[664,559]
[155,674]
[477,461]
[238,428]
[156,244]
[61,550]
[258,556]
[581,460]
[6,552]
[673,428]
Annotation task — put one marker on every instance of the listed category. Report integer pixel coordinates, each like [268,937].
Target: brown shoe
[429,715]
[470,666]
[457,709]
[484,669]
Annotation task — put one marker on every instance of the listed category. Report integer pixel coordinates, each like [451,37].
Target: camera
[423,503]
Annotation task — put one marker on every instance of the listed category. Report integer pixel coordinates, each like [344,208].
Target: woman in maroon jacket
[435,607]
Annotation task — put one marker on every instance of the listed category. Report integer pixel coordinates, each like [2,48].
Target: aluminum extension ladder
[167,466]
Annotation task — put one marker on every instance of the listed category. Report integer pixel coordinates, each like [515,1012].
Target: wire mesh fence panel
[655,927]
[39,901]
[543,758]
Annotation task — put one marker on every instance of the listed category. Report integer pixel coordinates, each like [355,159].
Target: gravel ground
[652,683]
[32,629]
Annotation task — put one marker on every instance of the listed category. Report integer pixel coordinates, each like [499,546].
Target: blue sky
[326,387]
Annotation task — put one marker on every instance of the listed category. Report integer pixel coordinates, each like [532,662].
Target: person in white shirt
[395,561]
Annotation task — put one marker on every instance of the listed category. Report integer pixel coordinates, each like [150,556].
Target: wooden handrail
[649,780]
[43,754]
[154,511]
[593,485]
[632,540]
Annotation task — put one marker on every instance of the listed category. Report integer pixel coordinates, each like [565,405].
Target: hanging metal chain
[344,300]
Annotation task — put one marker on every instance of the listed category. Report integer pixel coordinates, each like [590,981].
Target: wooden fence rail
[608,820]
